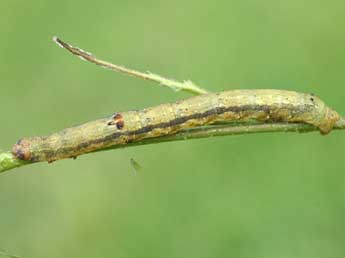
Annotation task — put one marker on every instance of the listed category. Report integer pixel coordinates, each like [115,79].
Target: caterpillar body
[166,119]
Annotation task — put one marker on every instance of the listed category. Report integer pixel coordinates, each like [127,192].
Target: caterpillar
[166,119]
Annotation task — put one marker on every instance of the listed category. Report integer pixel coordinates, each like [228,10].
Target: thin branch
[188,85]
[8,161]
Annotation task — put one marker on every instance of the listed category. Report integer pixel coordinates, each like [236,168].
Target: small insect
[135,165]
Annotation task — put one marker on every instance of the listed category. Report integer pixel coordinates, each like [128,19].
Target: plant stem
[187,85]
[8,161]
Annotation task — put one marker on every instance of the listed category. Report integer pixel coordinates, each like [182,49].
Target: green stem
[187,85]
[8,161]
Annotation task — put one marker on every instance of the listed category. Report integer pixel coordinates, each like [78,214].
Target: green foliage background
[272,195]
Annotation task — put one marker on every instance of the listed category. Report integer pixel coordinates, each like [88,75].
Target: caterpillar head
[21,149]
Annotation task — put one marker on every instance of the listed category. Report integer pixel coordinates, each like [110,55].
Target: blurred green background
[272,195]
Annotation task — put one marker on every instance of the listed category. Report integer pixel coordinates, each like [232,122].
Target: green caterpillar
[166,119]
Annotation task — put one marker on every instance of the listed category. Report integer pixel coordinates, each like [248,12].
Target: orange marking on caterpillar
[118,121]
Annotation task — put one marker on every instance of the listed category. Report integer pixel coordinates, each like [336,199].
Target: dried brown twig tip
[84,55]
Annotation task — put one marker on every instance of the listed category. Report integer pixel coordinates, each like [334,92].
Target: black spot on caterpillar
[165,119]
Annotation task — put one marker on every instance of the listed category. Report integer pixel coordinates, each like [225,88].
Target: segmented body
[166,119]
